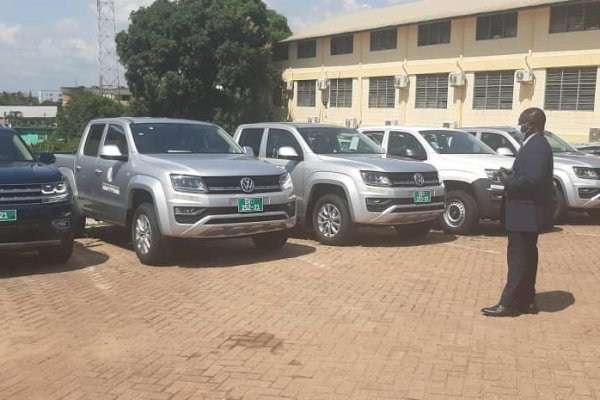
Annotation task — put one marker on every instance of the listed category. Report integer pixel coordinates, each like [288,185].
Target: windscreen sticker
[107,187]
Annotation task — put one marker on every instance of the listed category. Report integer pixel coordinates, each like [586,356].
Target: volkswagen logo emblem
[247,185]
[419,179]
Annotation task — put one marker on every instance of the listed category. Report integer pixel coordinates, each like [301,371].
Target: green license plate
[8,215]
[250,205]
[422,197]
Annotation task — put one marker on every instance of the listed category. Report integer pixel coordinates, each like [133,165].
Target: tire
[58,254]
[151,246]
[595,214]
[79,225]
[271,241]
[560,207]
[413,231]
[461,215]
[332,222]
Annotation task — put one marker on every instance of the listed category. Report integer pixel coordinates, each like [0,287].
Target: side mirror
[505,151]
[289,153]
[112,152]
[249,151]
[46,158]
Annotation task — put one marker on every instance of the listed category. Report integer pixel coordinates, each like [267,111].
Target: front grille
[407,179]
[20,194]
[384,204]
[231,184]
[289,209]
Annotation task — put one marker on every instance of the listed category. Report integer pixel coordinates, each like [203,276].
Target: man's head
[532,120]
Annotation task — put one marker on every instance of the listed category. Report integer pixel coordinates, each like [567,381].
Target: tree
[203,59]
[72,118]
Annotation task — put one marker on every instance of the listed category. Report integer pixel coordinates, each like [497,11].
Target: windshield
[182,138]
[558,145]
[12,148]
[332,140]
[455,142]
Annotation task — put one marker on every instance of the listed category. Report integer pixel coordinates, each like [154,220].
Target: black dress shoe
[529,309]
[500,311]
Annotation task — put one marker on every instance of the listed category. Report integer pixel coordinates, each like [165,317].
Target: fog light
[376,202]
[188,210]
[588,193]
[61,224]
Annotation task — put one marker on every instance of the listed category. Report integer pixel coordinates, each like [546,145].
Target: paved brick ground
[384,320]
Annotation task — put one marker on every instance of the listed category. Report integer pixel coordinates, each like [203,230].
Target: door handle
[78,167]
[98,172]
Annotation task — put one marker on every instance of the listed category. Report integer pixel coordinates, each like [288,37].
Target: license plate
[8,215]
[422,197]
[250,205]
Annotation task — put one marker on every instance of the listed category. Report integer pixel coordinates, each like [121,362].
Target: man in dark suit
[529,204]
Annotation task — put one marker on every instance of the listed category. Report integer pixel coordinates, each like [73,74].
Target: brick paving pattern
[387,319]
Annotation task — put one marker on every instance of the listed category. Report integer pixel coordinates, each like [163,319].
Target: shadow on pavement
[494,229]
[554,301]
[578,218]
[28,264]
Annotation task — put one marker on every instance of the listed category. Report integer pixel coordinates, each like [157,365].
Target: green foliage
[74,116]
[203,59]
[17,99]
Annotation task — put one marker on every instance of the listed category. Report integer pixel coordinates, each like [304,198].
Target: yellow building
[454,63]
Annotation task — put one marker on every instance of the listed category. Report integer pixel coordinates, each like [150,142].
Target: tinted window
[495,141]
[432,91]
[497,26]
[326,140]
[92,144]
[116,137]
[307,49]
[455,142]
[382,92]
[340,93]
[386,39]
[493,90]
[342,45]
[435,33]
[307,93]
[180,138]
[252,137]
[12,148]
[279,138]
[406,145]
[558,145]
[571,89]
[377,137]
[575,17]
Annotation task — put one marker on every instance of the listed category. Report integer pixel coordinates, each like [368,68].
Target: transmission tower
[108,79]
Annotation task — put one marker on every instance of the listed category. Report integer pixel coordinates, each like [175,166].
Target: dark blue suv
[35,202]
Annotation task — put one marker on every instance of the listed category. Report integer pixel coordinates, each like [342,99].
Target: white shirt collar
[528,139]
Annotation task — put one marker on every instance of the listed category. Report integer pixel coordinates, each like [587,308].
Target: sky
[46,44]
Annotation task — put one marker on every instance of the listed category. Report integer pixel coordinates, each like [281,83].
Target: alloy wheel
[329,220]
[143,234]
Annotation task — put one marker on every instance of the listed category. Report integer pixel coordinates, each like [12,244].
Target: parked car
[342,179]
[468,168]
[590,149]
[35,202]
[166,179]
[576,174]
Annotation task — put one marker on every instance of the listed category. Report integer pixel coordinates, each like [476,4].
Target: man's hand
[503,177]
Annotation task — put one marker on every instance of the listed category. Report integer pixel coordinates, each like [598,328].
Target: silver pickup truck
[166,179]
[343,179]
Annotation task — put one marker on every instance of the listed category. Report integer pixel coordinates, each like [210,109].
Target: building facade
[440,63]
[53,96]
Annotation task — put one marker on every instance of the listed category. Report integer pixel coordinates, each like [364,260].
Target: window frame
[312,102]
[84,151]
[308,48]
[502,87]
[570,8]
[271,131]
[506,18]
[558,103]
[376,92]
[380,35]
[121,130]
[253,129]
[341,97]
[440,27]
[441,86]
[339,38]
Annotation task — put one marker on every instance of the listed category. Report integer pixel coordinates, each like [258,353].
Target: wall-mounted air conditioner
[450,124]
[313,120]
[524,76]
[401,81]
[457,79]
[391,122]
[351,123]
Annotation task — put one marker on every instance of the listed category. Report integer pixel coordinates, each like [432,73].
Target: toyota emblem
[247,185]
[419,179]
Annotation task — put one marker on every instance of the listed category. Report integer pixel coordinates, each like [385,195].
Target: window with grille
[432,91]
[571,89]
[497,26]
[281,52]
[386,39]
[435,33]
[307,49]
[382,92]
[494,90]
[340,93]
[575,17]
[307,93]
[342,45]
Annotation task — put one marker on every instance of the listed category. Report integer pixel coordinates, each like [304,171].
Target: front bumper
[217,216]
[584,194]
[489,198]
[396,206]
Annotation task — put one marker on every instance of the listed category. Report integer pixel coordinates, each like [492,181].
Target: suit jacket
[530,188]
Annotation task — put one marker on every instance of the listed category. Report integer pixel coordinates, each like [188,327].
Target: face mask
[524,130]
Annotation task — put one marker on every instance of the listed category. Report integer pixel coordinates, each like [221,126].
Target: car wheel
[331,221]
[270,241]
[79,222]
[560,207]
[462,213]
[413,231]
[151,246]
[58,254]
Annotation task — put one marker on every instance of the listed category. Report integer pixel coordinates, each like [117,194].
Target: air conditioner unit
[524,76]
[391,122]
[401,81]
[351,123]
[457,79]
[323,84]
[450,124]
[313,120]
[289,85]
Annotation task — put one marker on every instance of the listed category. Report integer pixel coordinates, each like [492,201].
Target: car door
[112,177]
[496,140]
[252,137]
[85,167]
[276,139]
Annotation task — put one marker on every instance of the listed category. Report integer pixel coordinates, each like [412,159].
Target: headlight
[587,173]
[374,178]
[285,182]
[55,192]
[493,175]
[187,183]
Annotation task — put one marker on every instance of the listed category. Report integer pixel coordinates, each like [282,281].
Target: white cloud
[8,33]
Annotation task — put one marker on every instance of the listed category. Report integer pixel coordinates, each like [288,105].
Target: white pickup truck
[468,168]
